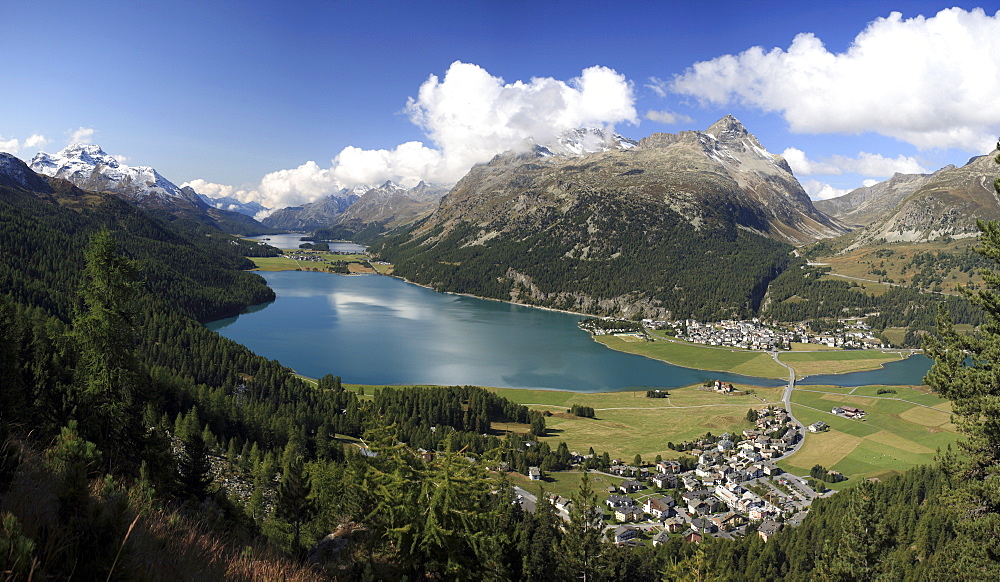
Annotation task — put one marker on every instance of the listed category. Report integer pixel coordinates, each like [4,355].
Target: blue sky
[240,97]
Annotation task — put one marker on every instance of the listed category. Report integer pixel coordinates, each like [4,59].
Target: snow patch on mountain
[91,168]
[585,140]
[14,173]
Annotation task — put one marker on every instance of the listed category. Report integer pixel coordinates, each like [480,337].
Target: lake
[292,241]
[372,329]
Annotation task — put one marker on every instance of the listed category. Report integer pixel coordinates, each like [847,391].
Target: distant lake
[292,241]
[372,329]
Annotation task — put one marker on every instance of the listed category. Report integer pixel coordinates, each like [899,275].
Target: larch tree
[966,371]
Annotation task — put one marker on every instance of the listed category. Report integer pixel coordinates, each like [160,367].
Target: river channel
[372,329]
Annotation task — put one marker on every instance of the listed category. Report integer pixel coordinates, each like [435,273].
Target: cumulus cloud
[36,141]
[820,191]
[667,117]
[865,164]
[81,135]
[468,116]
[11,146]
[931,82]
[14,145]
[213,190]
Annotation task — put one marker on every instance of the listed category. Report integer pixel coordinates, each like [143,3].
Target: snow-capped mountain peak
[91,168]
[584,140]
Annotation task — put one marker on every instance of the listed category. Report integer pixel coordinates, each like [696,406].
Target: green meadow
[900,431]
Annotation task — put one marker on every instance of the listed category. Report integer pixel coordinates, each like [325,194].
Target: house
[562,503]
[674,524]
[534,473]
[661,538]
[768,528]
[728,521]
[659,507]
[630,486]
[624,533]
[693,537]
[818,426]
[703,525]
[628,513]
[665,480]
[614,501]
[837,410]
[672,466]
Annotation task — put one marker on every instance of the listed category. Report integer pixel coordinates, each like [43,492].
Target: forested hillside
[645,263]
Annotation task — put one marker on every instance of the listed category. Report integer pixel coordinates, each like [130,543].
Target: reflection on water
[371,329]
[381,330]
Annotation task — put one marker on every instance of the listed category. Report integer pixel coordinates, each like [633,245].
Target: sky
[284,103]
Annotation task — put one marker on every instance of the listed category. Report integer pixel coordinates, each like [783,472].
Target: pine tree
[294,504]
[195,471]
[582,543]
[104,332]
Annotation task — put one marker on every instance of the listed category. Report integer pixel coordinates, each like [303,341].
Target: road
[786,398]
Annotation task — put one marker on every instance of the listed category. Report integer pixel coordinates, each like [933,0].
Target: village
[755,335]
[734,483]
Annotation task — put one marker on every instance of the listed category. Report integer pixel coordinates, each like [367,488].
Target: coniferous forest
[135,444]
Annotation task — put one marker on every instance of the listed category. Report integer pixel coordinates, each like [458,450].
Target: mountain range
[921,207]
[90,168]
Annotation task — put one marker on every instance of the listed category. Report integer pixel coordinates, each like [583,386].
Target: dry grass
[152,542]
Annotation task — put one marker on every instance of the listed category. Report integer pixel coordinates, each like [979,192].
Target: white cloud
[36,141]
[81,135]
[667,117]
[819,191]
[468,116]
[11,146]
[865,164]
[14,145]
[869,183]
[931,82]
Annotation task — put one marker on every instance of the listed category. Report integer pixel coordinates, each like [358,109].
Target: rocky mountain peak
[727,127]
[14,173]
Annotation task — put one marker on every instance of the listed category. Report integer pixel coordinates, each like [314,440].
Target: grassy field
[746,362]
[286,264]
[836,362]
[628,423]
[901,430]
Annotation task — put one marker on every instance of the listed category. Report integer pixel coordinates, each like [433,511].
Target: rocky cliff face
[865,205]
[945,203]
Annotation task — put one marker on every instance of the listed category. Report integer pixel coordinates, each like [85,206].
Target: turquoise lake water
[372,329]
